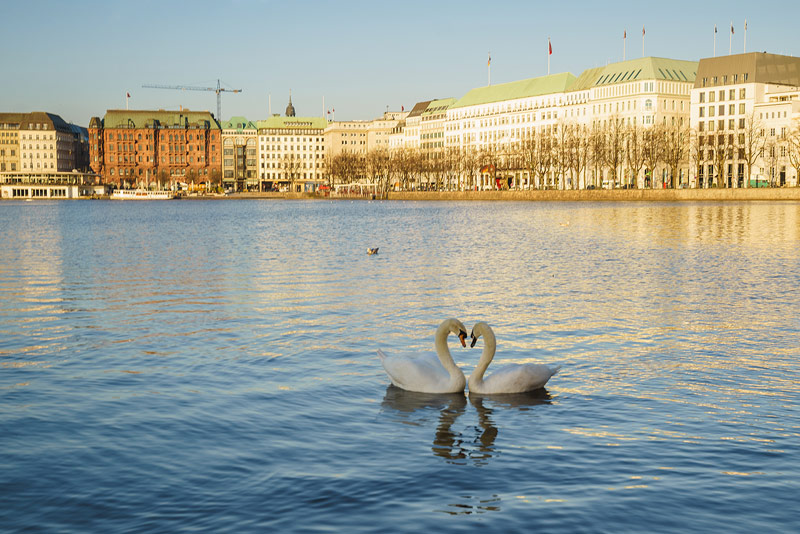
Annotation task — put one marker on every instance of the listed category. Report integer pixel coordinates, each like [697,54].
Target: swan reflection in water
[462,446]
[474,445]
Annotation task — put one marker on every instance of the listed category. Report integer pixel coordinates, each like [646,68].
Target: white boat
[141,194]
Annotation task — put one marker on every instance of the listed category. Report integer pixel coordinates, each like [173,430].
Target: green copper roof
[543,85]
[121,118]
[646,68]
[238,123]
[438,106]
[293,122]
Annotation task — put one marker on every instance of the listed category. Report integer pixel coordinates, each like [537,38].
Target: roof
[418,109]
[238,123]
[29,120]
[122,118]
[646,68]
[760,67]
[438,106]
[543,85]
[293,122]
[11,118]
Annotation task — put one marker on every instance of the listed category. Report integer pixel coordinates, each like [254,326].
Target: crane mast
[219,90]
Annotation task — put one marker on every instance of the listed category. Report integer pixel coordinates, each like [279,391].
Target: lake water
[210,366]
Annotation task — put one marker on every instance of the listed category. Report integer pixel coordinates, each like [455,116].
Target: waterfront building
[291,152]
[41,142]
[491,125]
[410,134]
[156,148]
[361,136]
[240,155]
[9,141]
[620,99]
[744,107]
[48,184]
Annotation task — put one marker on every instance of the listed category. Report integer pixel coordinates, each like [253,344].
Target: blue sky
[79,58]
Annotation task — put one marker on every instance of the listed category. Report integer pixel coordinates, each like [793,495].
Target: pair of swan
[429,373]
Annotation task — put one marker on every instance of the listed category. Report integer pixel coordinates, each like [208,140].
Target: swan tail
[381,355]
[555,369]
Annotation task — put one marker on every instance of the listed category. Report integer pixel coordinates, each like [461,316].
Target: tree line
[569,155]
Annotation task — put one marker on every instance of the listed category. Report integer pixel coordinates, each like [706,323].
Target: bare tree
[793,150]
[614,147]
[675,149]
[653,150]
[634,152]
[751,141]
[696,154]
[597,148]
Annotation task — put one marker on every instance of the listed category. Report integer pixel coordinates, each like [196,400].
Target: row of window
[720,110]
[173,172]
[720,95]
[725,77]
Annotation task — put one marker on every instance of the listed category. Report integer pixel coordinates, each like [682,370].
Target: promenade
[596,195]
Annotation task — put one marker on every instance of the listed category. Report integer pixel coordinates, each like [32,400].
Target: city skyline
[359,57]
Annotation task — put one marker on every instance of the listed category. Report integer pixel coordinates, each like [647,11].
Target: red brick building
[158,148]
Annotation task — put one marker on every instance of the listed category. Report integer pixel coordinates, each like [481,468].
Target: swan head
[457,327]
[478,330]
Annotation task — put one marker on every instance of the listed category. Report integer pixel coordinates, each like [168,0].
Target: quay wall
[610,195]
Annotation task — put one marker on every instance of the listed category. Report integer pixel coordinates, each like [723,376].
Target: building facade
[240,155]
[40,142]
[291,153]
[744,107]
[156,149]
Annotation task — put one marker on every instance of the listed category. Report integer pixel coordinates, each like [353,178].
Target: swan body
[510,378]
[429,373]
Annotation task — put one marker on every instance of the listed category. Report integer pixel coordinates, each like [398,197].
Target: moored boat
[141,194]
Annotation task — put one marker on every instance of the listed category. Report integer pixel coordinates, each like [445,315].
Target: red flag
[129,95]
[489,63]
[731,28]
[549,47]
[642,31]
[624,34]
[402,108]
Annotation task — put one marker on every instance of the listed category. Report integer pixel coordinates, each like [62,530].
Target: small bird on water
[371,251]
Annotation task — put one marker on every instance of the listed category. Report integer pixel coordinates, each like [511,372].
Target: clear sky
[79,58]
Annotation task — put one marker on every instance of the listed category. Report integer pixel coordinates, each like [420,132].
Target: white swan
[511,378]
[429,373]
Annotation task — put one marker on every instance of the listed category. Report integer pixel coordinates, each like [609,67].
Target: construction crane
[218,90]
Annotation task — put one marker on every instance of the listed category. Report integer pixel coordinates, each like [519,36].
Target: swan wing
[422,372]
[518,378]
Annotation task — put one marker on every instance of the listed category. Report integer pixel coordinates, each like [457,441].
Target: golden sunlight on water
[160,360]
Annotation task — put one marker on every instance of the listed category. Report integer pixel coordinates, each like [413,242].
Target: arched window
[648,104]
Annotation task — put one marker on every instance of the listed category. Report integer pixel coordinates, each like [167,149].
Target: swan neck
[489,347]
[443,351]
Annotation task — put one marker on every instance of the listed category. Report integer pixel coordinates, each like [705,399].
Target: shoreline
[582,195]
[791,194]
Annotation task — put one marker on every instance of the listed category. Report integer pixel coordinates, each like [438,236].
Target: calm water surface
[209,366]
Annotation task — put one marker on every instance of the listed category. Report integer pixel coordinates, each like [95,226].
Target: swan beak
[474,340]
[462,336]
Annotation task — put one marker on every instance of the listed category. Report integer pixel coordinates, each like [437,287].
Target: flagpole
[489,69]
[744,49]
[642,41]
[624,40]
[126,100]
[730,40]
[549,53]
[715,40]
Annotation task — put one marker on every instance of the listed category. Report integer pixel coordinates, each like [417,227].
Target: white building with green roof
[644,91]
[291,153]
